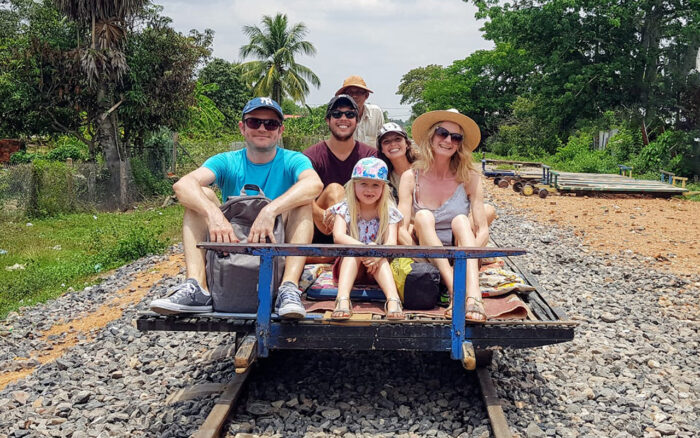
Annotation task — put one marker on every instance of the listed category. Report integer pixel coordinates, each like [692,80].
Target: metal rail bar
[499,424]
[217,417]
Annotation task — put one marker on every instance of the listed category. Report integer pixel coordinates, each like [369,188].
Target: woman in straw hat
[443,195]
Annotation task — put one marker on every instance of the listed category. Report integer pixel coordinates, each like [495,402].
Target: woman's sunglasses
[269,124]
[350,114]
[443,133]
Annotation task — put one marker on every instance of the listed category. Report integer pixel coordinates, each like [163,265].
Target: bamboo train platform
[581,183]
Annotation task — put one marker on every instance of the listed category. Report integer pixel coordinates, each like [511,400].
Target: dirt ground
[667,230]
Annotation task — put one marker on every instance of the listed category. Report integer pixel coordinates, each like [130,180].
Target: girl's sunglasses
[269,124]
[444,133]
[350,114]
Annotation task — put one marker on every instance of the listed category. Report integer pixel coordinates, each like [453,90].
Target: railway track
[226,404]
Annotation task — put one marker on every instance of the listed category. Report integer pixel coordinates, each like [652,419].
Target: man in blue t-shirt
[286,177]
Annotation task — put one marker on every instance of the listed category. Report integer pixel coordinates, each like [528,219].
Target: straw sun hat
[421,126]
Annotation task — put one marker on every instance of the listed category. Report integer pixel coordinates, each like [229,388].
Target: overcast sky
[380,40]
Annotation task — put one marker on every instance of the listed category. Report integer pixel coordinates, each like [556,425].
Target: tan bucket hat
[353,81]
[421,126]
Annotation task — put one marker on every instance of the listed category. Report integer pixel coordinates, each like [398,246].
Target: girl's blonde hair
[385,202]
[461,163]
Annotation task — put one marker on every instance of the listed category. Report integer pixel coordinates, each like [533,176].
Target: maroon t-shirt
[330,168]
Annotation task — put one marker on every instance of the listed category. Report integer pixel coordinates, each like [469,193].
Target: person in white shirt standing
[371,117]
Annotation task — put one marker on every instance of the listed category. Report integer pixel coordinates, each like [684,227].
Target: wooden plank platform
[610,183]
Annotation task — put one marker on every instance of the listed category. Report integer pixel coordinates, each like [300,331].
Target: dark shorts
[362,277]
[319,237]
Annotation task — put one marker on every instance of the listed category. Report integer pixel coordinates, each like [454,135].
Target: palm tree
[103,64]
[276,73]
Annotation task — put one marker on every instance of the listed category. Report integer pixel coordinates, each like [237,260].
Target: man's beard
[341,138]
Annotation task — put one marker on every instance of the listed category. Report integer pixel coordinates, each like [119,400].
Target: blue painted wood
[458,314]
[262,332]
[267,251]
[288,249]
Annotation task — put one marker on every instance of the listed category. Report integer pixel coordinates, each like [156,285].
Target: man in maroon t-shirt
[333,160]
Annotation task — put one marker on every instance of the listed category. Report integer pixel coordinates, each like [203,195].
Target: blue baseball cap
[263,102]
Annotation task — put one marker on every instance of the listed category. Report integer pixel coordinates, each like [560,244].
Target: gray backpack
[233,278]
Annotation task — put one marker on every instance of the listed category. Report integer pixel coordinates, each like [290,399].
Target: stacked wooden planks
[609,183]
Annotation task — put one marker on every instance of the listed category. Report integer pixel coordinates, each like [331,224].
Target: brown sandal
[341,314]
[393,315]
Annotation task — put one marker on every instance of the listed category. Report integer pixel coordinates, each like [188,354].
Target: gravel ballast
[632,370]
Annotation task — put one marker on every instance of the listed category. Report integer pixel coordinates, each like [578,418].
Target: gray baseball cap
[390,127]
[340,100]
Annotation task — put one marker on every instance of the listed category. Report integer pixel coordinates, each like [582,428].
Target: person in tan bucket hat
[371,117]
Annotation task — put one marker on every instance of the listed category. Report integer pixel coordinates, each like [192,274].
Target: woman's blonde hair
[384,204]
[461,163]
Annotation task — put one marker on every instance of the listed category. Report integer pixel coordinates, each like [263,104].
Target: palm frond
[85,10]
[275,44]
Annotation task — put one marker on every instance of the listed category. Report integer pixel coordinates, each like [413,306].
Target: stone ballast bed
[632,370]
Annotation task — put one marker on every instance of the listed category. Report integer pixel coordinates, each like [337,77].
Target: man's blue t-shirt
[233,170]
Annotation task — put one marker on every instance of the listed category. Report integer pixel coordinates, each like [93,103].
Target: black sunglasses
[444,133]
[350,114]
[269,124]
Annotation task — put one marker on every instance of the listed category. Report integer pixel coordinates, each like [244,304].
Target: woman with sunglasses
[444,197]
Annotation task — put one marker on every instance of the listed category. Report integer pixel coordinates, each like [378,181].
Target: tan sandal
[341,314]
[477,306]
[393,315]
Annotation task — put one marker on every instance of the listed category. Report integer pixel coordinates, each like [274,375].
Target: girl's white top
[367,229]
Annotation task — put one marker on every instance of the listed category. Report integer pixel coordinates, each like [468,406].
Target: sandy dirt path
[667,230]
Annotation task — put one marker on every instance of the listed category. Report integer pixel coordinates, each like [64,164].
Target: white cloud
[379,40]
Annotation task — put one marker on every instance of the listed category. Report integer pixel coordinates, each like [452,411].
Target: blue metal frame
[460,333]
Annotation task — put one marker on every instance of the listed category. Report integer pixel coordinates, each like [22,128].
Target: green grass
[71,250]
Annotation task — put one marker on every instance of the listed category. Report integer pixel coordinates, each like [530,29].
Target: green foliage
[412,85]
[624,144]
[138,242]
[52,190]
[310,128]
[68,251]
[276,73]
[148,182]
[291,107]
[206,118]
[22,157]
[672,151]
[68,147]
[526,134]
[577,156]
[230,94]
[160,87]
[52,81]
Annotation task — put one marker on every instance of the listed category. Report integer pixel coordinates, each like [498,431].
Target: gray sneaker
[288,304]
[187,297]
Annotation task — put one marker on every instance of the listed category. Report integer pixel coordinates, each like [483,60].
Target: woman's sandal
[341,314]
[477,306]
[393,315]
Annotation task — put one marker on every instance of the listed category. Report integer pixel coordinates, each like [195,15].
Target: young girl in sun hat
[366,216]
[444,197]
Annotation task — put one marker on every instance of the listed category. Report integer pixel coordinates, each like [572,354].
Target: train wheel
[543,193]
[497,180]
[503,183]
[528,190]
[517,186]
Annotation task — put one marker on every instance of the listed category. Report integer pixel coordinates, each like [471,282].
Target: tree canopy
[230,93]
